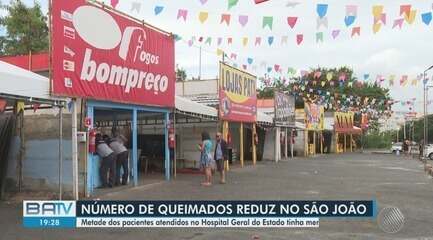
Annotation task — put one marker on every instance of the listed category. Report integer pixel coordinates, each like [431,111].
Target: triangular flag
[158,9]
[20,106]
[403,80]
[352,10]
[322,9]
[243,20]
[267,22]
[225,18]
[299,38]
[376,27]
[220,40]
[245,41]
[220,52]
[36,107]
[270,40]
[3,104]
[322,22]
[233,56]
[292,21]
[405,9]
[426,18]
[398,22]
[377,11]
[229,40]
[114,3]
[203,2]
[329,76]
[203,16]
[319,37]
[411,17]
[356,31]
[366,76]
[349,20]
[136,6]
[209,41]
[414,82]
[232,3]
[277,67]
[250,61]
[182,13]
[284,40]
[335,33]
[258,41]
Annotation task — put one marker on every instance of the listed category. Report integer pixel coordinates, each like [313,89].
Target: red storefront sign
[100,54]
[237,95]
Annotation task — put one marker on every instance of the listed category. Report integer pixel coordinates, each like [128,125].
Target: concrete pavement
[391,180]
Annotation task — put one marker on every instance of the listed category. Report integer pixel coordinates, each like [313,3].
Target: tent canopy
[188,107]
[18,83]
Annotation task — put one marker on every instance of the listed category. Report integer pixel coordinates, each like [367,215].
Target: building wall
[197,87]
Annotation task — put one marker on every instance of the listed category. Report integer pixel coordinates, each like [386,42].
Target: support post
[321,142]
[225,136]
[351,142]
[345,142]
[314,142]
[134,146]
[74,151]
[291,142]
[167,151]
[90,169]
[241,147]
[306,143]
[60,152]
[277,144]
[285,143]
[254,144]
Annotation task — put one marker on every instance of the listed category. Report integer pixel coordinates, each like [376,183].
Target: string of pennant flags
[407,14]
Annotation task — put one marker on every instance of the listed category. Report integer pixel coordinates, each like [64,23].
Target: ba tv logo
[48,208]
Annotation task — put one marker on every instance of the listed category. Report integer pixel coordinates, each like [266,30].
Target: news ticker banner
[154,214]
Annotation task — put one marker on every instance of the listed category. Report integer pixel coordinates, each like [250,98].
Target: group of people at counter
[114,156]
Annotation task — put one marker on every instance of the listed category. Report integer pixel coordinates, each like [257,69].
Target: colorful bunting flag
[406,9]
[220,40]
[426,18]
[225,18]
[267,22]
[232,3]
[203,2]
[114,3]
[329,76]
[20,106]
[258,41]
[245,41]
[203,16]
[292,21]
[319,37]
[270,40]
[410,19]
[335,33]
[398,22]
[36,107]
[182,13]
[322,22]
[349,20]
[322,9]
[3,104]
[403,80]
[243,20]
[299,38]
[135,6]
[220,52]
[292,4]
[158,10]
[284,40]
[356,31]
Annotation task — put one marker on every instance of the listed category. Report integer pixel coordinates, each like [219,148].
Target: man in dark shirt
[220,156]
[108,162]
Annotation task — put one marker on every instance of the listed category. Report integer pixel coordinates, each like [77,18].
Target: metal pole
[74,151]
[60,152]
[199,68]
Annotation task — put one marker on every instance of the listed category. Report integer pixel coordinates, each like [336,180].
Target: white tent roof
[190,107]
[20,82]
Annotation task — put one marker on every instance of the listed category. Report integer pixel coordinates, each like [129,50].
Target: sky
[389,52]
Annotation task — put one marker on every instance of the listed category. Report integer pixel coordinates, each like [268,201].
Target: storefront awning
[191,108]
[19,83]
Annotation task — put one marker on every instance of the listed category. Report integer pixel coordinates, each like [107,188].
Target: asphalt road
[391,180]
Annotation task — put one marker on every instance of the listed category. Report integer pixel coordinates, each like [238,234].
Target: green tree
[26,29]
[180,75]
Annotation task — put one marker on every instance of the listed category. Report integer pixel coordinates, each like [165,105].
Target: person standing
[107,163]
[206,160]
[220,156]
[118,146]
[406,147]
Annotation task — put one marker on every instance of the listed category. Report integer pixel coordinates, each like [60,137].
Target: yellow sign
[314,117]
[237,93]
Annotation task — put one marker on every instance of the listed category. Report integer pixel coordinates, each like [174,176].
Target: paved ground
[392,181]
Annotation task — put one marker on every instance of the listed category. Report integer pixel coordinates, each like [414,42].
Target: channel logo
[49,214]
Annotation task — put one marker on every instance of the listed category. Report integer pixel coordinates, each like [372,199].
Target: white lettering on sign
[121,76]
